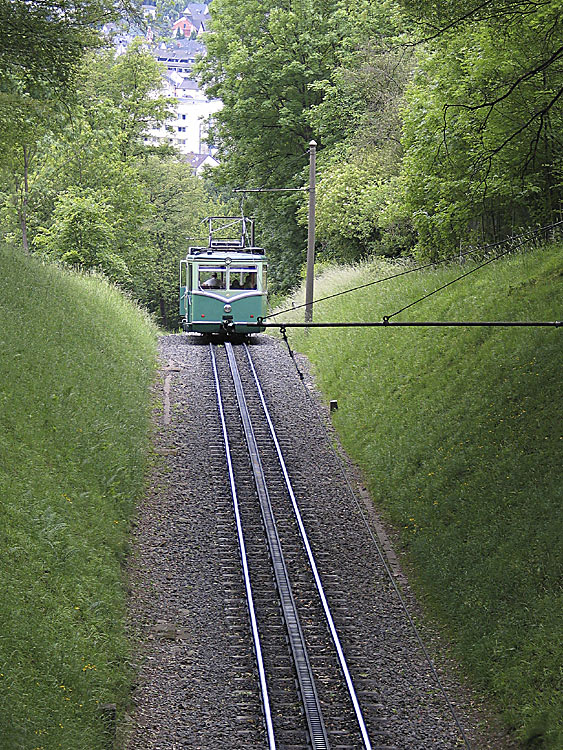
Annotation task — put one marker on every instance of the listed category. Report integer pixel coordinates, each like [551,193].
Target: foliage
[85,182]
[65,30]
[128,90]
[100,197]
[37,79]
[24,120]
[177,201]
[437,124]
[76,363]
[458,434]
[82,234]
[263,60]
[482,123]
[167,13]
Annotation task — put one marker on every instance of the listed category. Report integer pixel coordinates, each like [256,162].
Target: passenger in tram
[250,281]
[211,283]
[235,283]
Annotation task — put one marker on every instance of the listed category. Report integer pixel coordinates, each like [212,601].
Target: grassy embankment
[458,433]
[76,361]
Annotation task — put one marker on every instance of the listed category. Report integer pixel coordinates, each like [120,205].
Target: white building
[148,8]
[188,127]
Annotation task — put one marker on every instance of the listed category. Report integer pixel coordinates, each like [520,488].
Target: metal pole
[311,234]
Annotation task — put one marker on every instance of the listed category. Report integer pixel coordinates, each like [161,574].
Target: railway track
[293,638]
[199,682]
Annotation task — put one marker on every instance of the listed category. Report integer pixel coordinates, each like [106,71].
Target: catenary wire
[453,281]
[529,235]
[449,283]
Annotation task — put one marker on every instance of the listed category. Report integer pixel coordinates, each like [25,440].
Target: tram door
[185,289]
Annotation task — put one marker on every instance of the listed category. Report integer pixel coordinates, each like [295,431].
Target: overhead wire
[530,234]
[449,283]
[453,281]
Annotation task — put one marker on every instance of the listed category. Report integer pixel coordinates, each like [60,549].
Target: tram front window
[243,278]
[212,278]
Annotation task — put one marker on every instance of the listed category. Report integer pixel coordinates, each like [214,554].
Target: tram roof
[218,255]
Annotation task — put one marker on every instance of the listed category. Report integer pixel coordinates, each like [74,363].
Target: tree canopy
[482,132]
[263,61]
[42,41]
[437,123]
[84,186]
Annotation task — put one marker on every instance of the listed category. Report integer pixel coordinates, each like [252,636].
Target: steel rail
[244,561]
[315,721]
[312,563]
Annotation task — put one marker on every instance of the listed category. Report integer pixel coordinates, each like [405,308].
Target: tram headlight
[227,308]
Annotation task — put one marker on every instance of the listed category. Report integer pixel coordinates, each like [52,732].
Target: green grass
[76,362]
[458,432]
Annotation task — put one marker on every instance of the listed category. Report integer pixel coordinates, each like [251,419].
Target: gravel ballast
[185,695]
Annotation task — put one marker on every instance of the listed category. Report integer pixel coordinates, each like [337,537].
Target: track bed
[199,685]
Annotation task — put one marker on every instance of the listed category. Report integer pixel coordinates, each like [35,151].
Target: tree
[127,89]
[148,203]
[263,59]
[484,151]
[483,127]
[82,234]
[98,154]
[20,138]
[177,202]
[37,79]
[167,13]
[289,74]
[360,122]
[22,125]
[65,30]
[42,43]
[81,181]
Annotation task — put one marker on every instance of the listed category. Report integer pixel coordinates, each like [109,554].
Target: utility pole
[311,235]
[311,225]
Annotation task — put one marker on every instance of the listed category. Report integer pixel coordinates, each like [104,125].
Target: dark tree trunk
[22,189]
[163,315]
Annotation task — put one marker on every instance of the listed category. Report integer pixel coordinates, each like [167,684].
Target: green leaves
[483,157]
[263,60]
[176,201]
[127,88]
[83,234]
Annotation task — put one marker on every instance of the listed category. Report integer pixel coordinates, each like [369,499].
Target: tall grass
[458,432]
[76,360]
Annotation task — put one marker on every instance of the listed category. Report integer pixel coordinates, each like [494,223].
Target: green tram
[223,285]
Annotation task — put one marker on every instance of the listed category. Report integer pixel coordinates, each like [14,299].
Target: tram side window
[212,278]
[243,278]
[250,281]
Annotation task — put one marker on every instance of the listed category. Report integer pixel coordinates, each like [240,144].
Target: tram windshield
[232,277]
[243,277]
[212,278]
